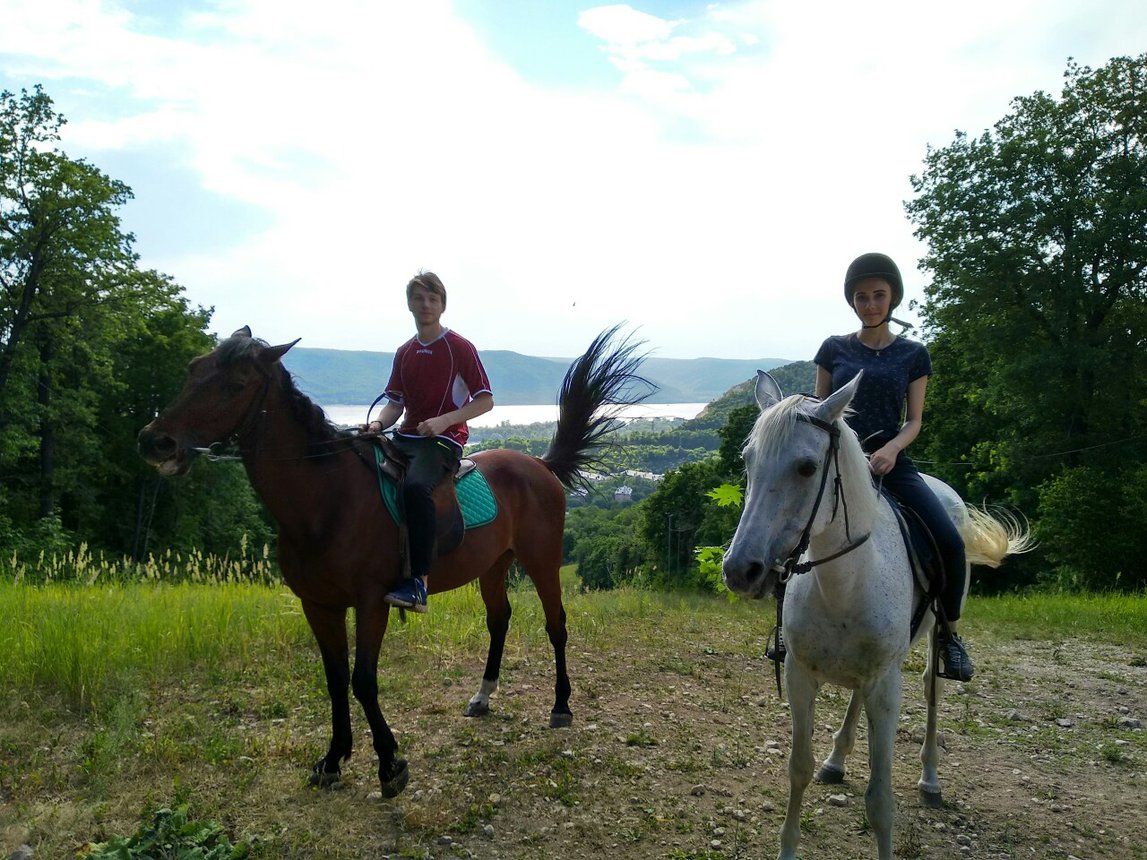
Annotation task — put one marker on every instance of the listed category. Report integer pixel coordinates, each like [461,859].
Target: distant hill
[798,377]
[331,376]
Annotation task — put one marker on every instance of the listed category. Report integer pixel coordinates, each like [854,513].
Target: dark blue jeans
[905,483]
[432,461]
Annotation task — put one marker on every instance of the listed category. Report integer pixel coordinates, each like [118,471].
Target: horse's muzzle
[749,578]
[163,452]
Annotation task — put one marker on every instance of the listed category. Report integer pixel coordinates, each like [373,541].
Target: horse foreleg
[498,611]
[929,784]
[802,689]
[882,704]
[329,628]
[370,626]
[843,742]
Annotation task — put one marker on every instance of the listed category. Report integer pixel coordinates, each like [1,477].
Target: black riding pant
[906,484]
[432,461]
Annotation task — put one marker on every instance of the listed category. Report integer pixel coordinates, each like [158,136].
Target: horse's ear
[767,391]
[832,407]
[242,332]
[274,353]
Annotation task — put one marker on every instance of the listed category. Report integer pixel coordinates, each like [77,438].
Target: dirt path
[678,750]
[681,752]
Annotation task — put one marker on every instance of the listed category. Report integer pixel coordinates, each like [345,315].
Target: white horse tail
[990,537]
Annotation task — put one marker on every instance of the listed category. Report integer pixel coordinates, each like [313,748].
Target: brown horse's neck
[297,483]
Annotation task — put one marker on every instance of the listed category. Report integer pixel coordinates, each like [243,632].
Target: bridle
[239,442]
[792,564]
[255,413]
[831,455]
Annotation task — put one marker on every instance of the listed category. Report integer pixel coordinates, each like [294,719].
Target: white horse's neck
[854,519]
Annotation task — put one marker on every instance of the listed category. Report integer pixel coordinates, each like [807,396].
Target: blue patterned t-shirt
[878,407]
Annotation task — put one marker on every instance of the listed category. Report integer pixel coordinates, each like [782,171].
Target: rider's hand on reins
[882,461]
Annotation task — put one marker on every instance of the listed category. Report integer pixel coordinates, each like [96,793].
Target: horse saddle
[464,503]
[923,555]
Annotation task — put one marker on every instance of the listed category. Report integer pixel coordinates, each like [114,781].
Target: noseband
[791,565]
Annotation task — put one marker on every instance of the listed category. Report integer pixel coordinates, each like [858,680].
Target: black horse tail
[596,388]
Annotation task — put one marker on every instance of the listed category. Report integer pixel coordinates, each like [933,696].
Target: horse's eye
[806,468]
[232,387]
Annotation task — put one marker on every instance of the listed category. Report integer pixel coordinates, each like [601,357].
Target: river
[341,413]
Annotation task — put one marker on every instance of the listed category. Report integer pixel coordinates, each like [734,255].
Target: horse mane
[319,430]
[772,434]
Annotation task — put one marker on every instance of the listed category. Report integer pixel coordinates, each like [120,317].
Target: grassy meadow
[119,696]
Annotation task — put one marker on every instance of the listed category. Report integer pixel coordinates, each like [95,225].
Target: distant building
[623,494]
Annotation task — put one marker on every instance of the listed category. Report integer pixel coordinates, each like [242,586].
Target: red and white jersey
[431,379]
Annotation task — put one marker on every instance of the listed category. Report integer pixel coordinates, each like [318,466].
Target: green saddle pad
[479,507]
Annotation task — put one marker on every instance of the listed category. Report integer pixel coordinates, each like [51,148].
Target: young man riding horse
[437,384]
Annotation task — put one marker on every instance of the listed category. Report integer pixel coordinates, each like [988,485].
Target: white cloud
[713,196]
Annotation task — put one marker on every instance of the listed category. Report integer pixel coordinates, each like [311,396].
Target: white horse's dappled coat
[846,621]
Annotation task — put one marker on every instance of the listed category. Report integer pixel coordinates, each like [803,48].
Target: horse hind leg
[493,587]
[543,566]
[929,784]
[560,716]
[843,742]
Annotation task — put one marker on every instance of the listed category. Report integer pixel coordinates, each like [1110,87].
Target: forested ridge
[332,376]
[1035,313]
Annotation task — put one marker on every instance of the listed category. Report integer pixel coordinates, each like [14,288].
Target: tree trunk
[47,431]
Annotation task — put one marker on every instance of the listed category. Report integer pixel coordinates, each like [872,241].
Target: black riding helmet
[874,266]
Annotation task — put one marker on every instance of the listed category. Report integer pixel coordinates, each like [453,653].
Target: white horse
[847,619]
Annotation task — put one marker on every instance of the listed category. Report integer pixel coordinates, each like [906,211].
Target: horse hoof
[477,709]
[931,799]
[395,781]
[322,778]
[559,720]
[828,775]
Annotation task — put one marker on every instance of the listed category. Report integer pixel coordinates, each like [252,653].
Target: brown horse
[338,548]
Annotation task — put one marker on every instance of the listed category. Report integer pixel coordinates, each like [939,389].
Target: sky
[703,172]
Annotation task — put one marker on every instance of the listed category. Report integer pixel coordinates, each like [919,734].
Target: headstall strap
[831,455]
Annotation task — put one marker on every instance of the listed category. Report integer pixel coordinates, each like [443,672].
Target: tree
[1037,309]
[680,516]
[62,251]
[91,347]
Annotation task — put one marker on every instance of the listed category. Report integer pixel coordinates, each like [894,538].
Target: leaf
[727,495]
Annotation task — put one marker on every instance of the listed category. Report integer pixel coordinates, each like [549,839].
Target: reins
[252,422]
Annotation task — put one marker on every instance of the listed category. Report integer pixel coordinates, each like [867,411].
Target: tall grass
[88,630]
[83,567]
[90,643]
[1107,617]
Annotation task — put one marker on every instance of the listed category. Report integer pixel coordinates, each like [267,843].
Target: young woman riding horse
[338,549]
[814,522]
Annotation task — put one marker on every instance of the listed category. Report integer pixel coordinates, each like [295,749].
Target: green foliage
[601,542]
[733,435]
[1037,309]
[91,348]
[727,495]
[175,835]
[1091,528]
[680,516]
[709,560]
